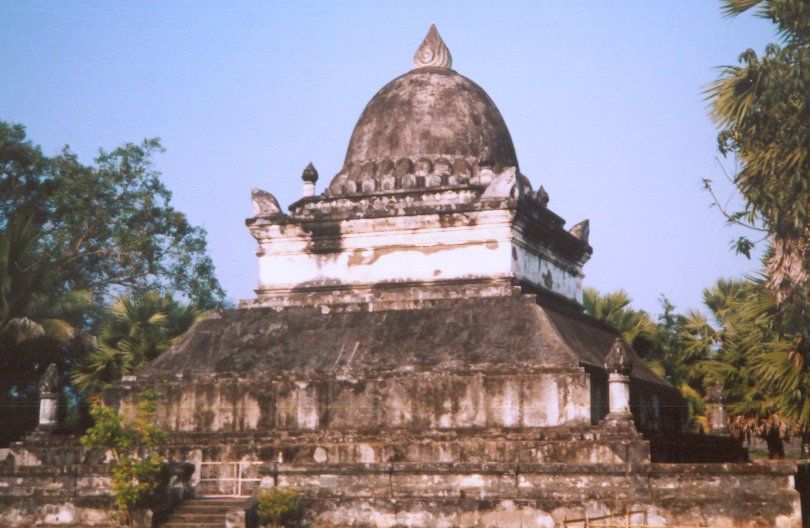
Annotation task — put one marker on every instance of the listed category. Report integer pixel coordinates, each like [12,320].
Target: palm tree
[660,345]
[635,326]
[30,304]
[38,322]
[758,352]
[761,108]
[135,329]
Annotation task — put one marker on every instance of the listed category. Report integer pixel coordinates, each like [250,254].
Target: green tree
[134,446]
[39,321]
[762,107]
[107,226]
[756,349]
[71,236]
[669,359]
[635,326]
[658,343]
[134,329]
[32,303]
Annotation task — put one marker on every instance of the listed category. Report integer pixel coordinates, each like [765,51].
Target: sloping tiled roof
[498,332]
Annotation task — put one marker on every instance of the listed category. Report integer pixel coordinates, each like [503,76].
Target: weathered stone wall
[217,455]
[486,478]
[550,495]
[539,398]
[55,495]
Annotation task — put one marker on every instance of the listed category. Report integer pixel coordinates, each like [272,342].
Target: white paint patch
[472,481]
[551,401]
[366,454]
[510,404]
[320,455]
[307,409]
[65,514]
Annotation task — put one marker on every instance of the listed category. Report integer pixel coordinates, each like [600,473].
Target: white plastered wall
[421,248]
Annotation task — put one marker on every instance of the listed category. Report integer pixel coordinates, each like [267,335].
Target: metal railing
[237,473]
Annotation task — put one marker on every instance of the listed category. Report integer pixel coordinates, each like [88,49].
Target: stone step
[216,500]
[175,524]
[206,507]
[216,520]
[203,512]
[199,517]
[210,503]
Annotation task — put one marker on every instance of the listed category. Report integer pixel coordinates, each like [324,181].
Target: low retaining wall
[528,481]
[55,495]
[547,496]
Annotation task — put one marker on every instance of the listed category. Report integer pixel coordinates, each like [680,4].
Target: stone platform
[430,479]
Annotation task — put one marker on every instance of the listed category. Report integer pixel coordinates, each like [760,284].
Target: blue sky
[603,100]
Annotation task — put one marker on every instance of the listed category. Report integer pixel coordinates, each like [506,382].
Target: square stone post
[619,364]
[717,415]
[50,386]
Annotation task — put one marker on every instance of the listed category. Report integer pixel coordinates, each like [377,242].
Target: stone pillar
[619,364]
[49,392]
[716,415]
[309,177]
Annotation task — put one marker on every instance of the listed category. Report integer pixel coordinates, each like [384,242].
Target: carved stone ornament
[264,203]
[620,358]
[541,197]
[502,185]
[50,382]
[432,53]
[310,174]
[582,230]
[716,395]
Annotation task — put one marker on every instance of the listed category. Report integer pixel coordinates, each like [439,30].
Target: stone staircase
[204,512]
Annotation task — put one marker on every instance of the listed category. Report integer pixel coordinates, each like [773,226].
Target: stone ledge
[782,467]
[55,471]
[634,470]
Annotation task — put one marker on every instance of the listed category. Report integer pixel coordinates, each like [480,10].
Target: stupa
[417,353]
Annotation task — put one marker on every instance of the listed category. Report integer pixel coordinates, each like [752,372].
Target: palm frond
[25,329]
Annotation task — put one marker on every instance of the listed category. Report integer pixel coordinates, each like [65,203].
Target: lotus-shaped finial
[432,53]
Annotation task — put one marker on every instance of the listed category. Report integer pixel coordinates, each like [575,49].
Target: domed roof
[429,121]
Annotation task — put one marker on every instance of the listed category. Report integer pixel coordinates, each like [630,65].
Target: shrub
[280,508]
[138,468]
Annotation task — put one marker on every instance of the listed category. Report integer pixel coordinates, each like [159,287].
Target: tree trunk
[776,447]
[805,451]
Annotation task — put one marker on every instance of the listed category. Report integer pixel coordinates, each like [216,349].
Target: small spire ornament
[432,53]
[619,359]
[310,174]
[309,177]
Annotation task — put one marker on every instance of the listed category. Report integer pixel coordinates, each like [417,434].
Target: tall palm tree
[134,330]
[761,108]
[759,354]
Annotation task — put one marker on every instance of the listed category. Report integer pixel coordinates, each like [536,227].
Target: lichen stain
[366,257]
[457,220]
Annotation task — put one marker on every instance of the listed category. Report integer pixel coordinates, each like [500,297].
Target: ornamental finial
[619,359]
[432,52]
[310,174]
[50,381]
